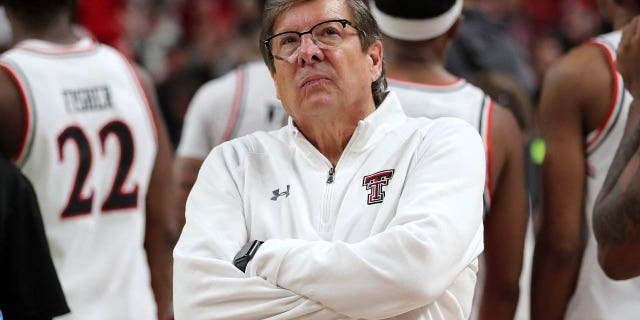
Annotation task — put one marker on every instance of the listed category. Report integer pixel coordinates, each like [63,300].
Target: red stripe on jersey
[456,82]
[145,98]
[488,143]
[237,99]
[614,99]
[27,112]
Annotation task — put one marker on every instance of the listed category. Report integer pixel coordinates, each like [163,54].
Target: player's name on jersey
[87,99]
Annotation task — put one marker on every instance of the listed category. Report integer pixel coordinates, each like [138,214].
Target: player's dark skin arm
[11,115]
[574,101]
[185,171]
[506,222]
[160,232]
[616,217]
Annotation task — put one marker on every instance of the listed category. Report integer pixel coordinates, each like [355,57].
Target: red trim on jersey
[237,99]
[614,100]
[27,112]
[488,143]
[456,82]
[58,51]
[145,98]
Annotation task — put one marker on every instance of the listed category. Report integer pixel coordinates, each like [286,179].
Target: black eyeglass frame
[267,41]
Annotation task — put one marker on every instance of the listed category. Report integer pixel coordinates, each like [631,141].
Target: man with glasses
[352,210]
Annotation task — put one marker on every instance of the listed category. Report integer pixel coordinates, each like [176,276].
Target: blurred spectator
[175,93]
[545,50]
[217,36]
[543,14]
[105,19]
[484,45]
[506,91]
[580,21]
[5,31]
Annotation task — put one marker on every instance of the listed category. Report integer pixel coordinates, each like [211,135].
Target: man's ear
[375,55]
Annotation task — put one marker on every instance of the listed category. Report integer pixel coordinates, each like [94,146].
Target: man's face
[317,79]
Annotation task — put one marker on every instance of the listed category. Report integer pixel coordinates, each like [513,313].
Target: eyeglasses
[327,34]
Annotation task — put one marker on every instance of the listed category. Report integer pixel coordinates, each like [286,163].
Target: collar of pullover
[369,131]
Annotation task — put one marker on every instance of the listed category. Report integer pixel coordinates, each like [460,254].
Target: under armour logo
[277,194]
[374,184]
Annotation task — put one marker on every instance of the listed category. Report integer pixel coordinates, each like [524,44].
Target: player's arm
[506,222]
[616,216]
[160,231]
[12,115]
[569,91]
[185,171]
[416,259]
[202,129]
[195,144]
[206,283]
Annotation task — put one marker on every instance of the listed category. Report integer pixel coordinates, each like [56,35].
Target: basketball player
[236,104]
[416,38]
[81,123]
[615,215]
[582,113]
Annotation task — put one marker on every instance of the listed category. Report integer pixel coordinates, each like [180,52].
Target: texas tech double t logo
[374,184]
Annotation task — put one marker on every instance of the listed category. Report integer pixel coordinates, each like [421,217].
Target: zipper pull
[332,172]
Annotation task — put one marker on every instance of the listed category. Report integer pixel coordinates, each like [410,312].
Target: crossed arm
[407,266]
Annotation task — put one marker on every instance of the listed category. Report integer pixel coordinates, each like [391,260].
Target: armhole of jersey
[595,137]
[237,104]
[485,127]
[28,116]
[143,95]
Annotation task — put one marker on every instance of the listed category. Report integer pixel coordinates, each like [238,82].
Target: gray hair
[362,20]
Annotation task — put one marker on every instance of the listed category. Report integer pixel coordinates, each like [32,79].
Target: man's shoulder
[431,126]
[443,129]
[256,142]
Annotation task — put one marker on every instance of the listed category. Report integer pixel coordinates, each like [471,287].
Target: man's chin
[316,107]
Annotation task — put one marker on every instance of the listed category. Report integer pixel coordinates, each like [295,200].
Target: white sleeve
[206,283]
[436,234]
[207,117]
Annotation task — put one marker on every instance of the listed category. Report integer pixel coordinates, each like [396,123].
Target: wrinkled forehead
[303,15]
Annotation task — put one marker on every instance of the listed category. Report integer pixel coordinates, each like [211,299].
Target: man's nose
[309,51]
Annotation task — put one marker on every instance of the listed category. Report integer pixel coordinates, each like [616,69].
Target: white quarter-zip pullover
[392,232]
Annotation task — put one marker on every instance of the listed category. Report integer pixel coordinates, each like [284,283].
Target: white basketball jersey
[597,296]
[460,100]
[89,148]
[238,103]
